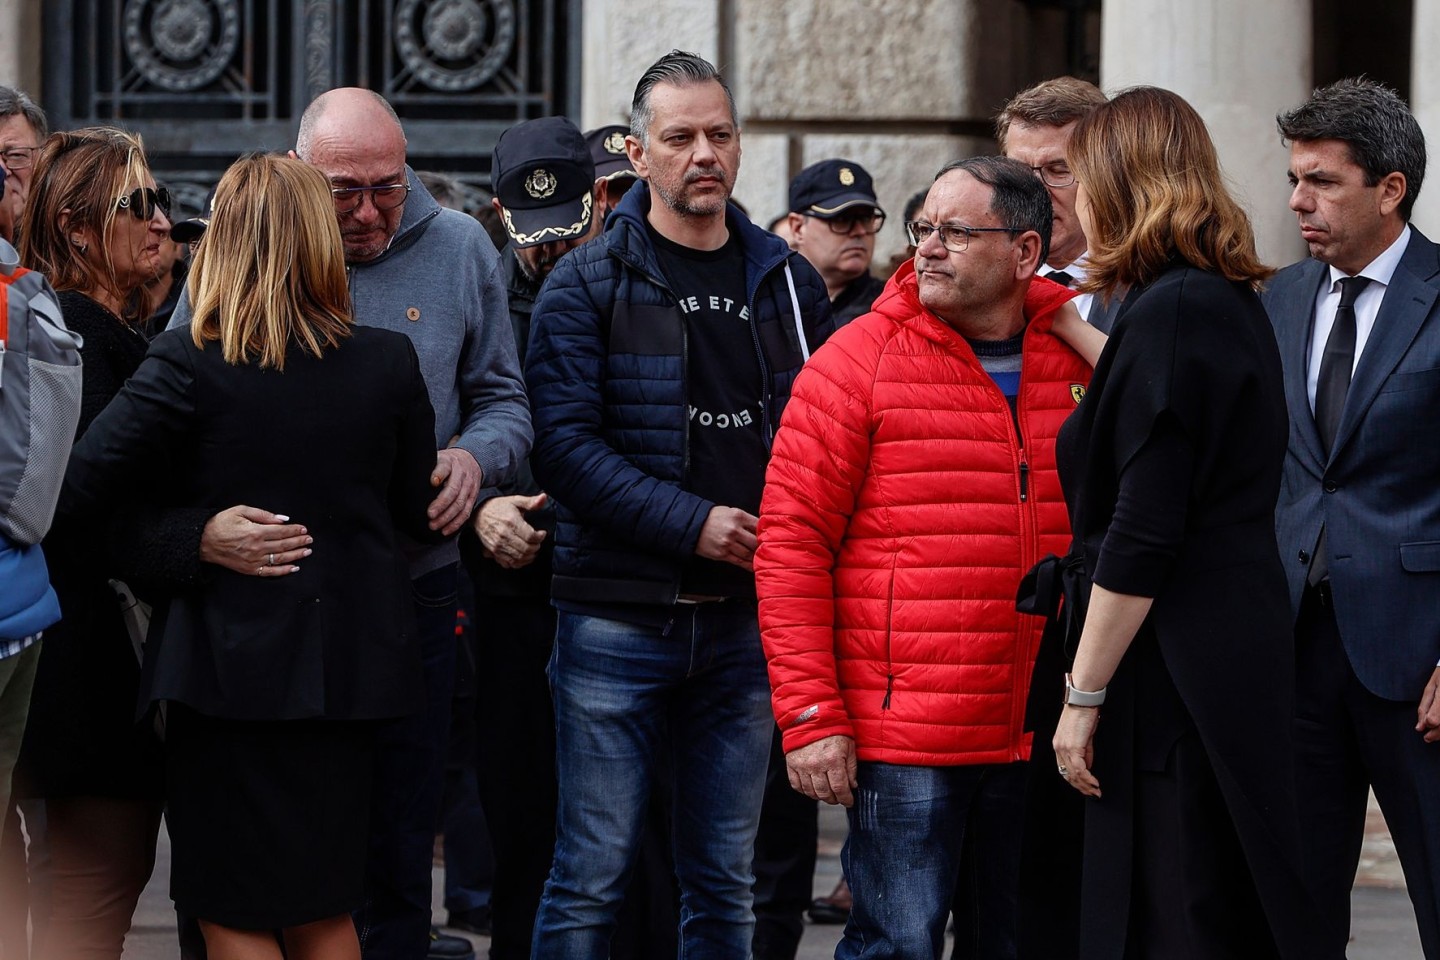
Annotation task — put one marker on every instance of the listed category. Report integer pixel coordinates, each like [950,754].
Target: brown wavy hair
[270,268]
[79,175]
[1153,180]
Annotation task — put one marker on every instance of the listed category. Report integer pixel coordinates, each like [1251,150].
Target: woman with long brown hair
[93,223]
[273,684]
[1171,467]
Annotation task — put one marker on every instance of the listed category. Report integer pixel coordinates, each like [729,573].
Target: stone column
[620,39]
[890,85]
[20,46]
[1425,101]
[1239,62]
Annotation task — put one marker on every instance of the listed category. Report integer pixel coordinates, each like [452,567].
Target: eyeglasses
[953,236]
[18,158]
[1055,174]
[845,225]
[142,202]
[386,196]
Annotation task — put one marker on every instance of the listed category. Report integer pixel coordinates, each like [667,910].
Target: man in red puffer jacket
[912,484]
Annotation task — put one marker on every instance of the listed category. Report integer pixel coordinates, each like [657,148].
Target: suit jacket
[1378,493]
[343,443]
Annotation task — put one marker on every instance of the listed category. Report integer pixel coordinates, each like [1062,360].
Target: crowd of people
[739,525]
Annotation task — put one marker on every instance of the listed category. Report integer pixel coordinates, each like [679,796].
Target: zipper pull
[1024,481]
[889,689]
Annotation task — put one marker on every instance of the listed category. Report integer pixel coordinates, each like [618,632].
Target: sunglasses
[142,202]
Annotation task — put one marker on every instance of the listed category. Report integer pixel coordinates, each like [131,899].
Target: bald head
[353,137]
[346,114]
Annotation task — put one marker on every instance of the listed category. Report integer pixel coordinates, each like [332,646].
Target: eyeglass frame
[841,225]
[1069,175]
[338,194]
[142,202]
[940,229]
[29,153]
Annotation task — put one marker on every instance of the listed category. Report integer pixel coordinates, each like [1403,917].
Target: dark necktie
[1337,362]
[1061,277]
[1333,383]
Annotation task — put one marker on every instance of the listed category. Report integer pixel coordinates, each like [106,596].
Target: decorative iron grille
[206,80]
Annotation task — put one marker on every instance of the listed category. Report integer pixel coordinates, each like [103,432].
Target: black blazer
[343,443]
[1191,373]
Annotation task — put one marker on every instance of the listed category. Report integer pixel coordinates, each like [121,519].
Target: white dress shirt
[1367,305]
[1077,271]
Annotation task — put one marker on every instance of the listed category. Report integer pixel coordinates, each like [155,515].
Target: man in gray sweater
[433,275]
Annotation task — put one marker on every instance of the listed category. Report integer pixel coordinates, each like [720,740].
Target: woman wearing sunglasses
[93,224]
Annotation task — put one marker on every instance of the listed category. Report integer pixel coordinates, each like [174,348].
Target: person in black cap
[834,217]
[546,199]
[614,174]
[545,195]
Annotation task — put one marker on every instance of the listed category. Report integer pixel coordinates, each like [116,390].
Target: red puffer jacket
[900,511]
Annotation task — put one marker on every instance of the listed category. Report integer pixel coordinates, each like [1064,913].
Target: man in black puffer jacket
[660,359]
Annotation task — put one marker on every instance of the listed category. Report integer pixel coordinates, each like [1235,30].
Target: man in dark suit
[1359,514]
[1034,128]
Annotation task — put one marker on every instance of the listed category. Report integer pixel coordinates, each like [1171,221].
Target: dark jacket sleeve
[410,489]
[157,546]
[565,375]
[128,438]
[1178,383]
[1148,528]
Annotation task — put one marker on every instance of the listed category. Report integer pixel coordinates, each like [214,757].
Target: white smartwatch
[1075,697]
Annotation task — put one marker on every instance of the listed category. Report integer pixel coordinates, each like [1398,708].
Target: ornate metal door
[204,81]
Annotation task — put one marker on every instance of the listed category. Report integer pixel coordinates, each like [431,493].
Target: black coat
[81,738]
[1171,466]
[343,443]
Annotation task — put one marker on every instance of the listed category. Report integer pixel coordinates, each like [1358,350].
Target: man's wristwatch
[1082,698]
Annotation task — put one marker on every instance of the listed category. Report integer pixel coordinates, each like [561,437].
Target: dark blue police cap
[544,178]
[826,188]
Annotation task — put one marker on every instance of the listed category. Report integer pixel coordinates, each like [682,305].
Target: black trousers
[784,862]
[1347,740]
[515,735]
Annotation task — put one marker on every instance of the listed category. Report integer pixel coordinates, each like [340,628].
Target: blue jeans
[394,921]
[903,856]
[695,692]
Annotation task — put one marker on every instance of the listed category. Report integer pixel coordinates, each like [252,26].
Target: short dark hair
[680,69]
[15,103]
[916,201]
[1053,103]
[1372,120]
[1021,200]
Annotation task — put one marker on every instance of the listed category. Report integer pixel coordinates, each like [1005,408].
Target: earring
[82,247]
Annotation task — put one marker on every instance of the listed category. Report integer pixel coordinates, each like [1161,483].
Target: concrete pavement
[1383,921]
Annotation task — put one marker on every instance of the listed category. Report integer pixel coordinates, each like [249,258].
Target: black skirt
[268,820]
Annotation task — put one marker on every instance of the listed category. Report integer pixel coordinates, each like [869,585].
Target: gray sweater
[442,269]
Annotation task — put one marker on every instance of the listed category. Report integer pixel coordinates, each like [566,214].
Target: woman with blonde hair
[1171,468]
[93,223]
[273,396]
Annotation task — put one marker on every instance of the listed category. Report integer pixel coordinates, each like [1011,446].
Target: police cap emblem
[847,178]
[540,184]
[615,143]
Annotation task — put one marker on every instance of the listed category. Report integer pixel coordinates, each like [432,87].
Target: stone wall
[20,45]
[887,83]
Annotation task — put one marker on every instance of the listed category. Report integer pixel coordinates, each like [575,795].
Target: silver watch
[1075,697]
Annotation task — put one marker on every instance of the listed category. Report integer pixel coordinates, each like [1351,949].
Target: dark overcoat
[1191,357]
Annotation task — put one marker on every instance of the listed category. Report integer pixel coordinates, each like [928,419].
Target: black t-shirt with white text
[725,393]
